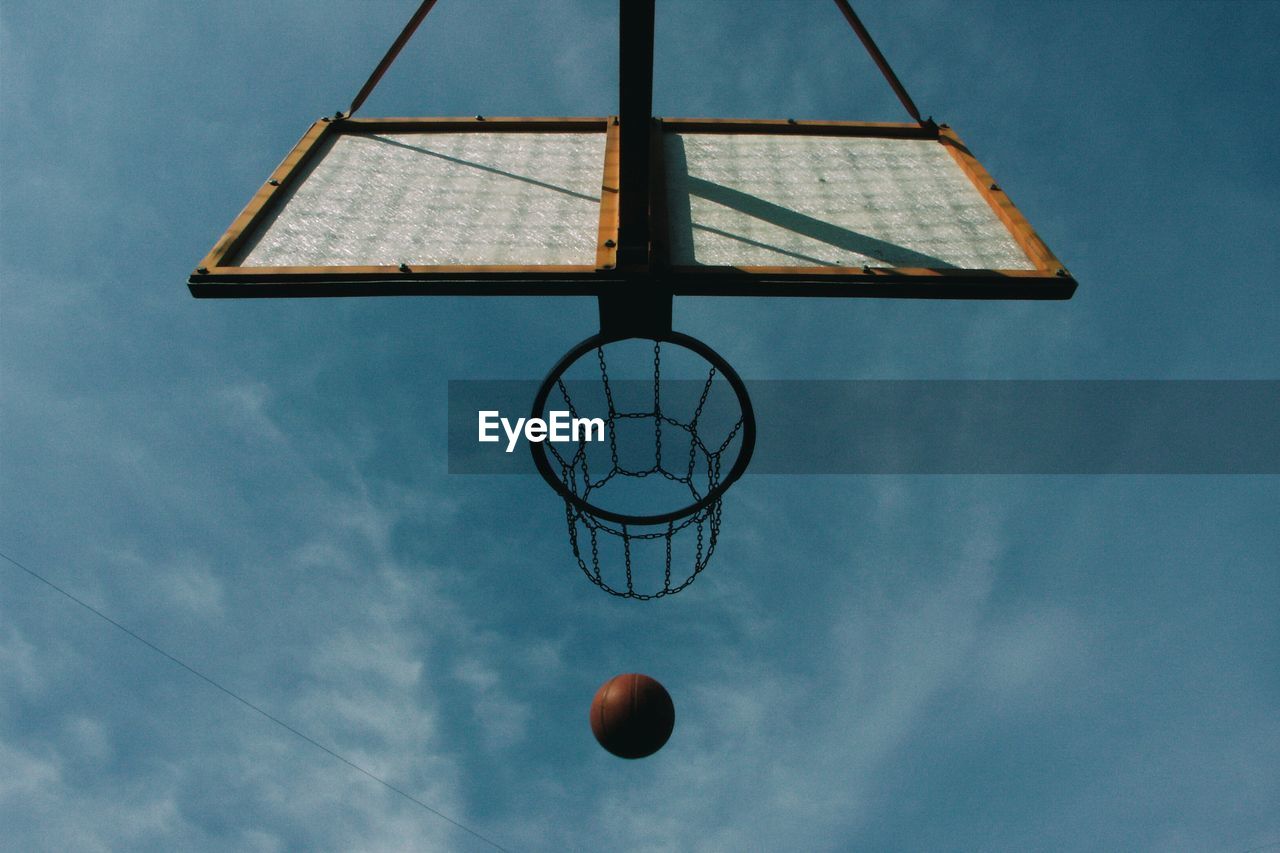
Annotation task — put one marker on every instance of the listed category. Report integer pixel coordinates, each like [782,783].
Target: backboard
[507,206]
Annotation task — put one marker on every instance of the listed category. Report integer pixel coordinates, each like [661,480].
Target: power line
[281,723]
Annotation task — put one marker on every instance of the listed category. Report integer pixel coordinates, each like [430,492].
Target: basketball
[632,715]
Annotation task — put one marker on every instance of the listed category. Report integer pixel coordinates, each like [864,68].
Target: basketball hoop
[633,211]
[619,492]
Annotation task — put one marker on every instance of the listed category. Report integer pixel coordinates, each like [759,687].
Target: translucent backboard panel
[437,199]
[398,206]
[774,200]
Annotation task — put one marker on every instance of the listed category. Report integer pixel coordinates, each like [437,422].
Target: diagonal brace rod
[881,62]
[396,46]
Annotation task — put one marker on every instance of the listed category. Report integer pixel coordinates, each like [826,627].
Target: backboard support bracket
[635,108]
[636,310]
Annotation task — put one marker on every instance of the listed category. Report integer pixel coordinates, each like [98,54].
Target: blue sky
[879,663]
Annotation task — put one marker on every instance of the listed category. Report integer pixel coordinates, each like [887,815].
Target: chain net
[690,463]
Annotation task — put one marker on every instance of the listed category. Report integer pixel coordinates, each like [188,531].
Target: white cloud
[244,407]
[1023,661]
[19,664]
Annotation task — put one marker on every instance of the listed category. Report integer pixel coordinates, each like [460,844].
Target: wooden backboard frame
[215,277]
[1048,280]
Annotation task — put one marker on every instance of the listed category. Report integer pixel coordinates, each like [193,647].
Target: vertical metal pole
[635,114]
[639,305]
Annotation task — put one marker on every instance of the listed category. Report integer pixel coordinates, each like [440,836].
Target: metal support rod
[635,114]
[399,43]
[880,61]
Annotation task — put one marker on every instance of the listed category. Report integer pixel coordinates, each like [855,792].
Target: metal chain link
[608,396]
[657,408]
[706,522]
[666,576]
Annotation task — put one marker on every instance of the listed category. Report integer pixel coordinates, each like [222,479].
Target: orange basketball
[632,715]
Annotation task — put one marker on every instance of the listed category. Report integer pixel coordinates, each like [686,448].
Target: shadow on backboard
[483,168]
[681,187]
